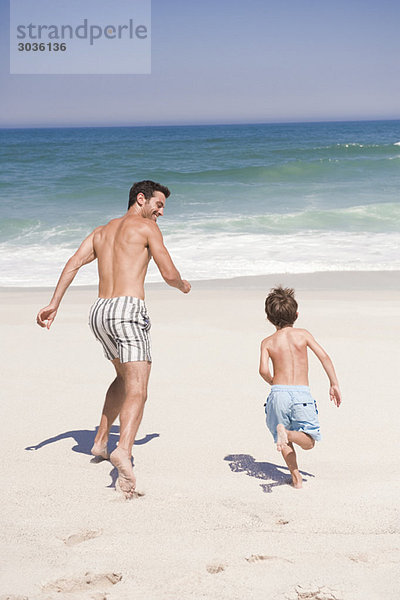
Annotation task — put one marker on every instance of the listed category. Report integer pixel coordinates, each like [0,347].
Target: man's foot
[297,480]
[126,479]
[282,437]
[100,450]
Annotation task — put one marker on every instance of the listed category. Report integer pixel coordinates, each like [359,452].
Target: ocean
[246,199]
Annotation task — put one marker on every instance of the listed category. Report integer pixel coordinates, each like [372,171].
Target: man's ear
[140,198]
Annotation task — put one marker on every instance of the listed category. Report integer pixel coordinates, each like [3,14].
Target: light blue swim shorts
[295,408]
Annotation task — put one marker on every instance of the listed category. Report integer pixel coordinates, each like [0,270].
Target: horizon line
[197,124]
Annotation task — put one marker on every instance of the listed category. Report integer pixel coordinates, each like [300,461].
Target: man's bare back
[124,248]
[123,255]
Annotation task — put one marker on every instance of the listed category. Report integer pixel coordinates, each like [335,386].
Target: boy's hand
[335,395]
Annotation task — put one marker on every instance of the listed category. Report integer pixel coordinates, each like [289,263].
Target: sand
[218,519]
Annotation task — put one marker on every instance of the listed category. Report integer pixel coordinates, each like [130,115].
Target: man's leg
[135,377]
[111,409]
[285,442]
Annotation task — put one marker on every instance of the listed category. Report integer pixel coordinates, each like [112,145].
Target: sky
[228,61]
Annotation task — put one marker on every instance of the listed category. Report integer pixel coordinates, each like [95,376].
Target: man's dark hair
[281,307]
[147,188]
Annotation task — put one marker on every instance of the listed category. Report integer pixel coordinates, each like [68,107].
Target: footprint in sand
[82,536]
[312,592]
[255,558]
[282,522]
[12,597]
[89,581]
[359,557]
[215,568]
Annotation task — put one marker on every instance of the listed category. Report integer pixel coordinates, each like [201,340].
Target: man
[119,318]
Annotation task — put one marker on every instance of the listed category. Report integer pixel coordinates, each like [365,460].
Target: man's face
[154,207]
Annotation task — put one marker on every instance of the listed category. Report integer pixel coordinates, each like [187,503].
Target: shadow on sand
[84,439]
[275,474]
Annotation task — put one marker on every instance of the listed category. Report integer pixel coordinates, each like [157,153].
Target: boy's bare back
[287,349]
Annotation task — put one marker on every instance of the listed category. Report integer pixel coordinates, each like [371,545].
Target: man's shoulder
[99,228]
[149,229]
[137,229]
[111,223]
[139,223]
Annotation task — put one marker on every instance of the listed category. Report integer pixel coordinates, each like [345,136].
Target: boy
[291,412]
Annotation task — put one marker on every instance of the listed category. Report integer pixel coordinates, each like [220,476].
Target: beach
[218,519]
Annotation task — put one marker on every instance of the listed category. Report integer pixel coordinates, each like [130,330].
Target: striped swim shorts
[122,326]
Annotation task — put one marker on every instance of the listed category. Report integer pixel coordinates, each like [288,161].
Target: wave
[216,256]
[374,218]
[378,218]
[329,170]
[29,232]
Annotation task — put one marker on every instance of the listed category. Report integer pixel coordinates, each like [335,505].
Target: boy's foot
[297,480]
[100,450]
[282,437]
[126,479]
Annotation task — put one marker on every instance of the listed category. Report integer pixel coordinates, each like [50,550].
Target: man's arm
[329,369]
[84,255]
[264,363]
[163,260]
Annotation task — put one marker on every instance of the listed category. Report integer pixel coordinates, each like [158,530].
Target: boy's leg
[302,439]
[289,454]
[284,436]
[285,441]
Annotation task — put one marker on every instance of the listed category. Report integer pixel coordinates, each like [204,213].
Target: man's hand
[186,287]
[46,314]
[335,395]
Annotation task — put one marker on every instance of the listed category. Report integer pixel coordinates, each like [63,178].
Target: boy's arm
[327,364]
[84,255]
[264,363]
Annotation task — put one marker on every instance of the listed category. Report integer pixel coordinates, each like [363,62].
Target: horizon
[205,124]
